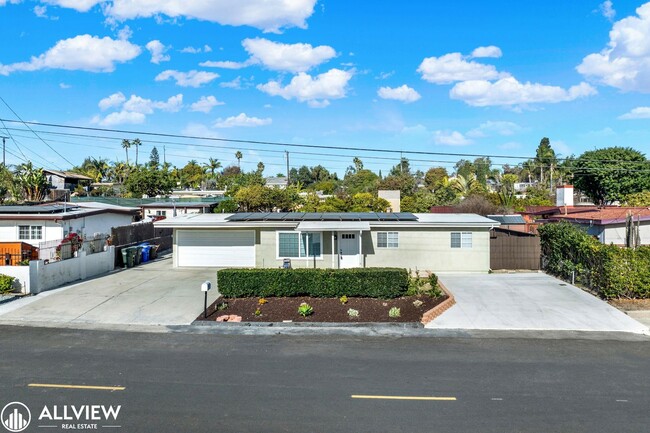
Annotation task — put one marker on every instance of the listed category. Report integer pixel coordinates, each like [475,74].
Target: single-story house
[276,182]
[608,224]
[440,243]
[170,209]
[45,225]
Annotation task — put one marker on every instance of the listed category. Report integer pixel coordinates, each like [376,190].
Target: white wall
[101,223]
[9,231]
[39,277]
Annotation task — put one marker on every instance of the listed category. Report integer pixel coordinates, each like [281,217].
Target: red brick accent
[440,308]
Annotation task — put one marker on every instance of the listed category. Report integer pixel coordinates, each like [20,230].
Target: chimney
[564,196]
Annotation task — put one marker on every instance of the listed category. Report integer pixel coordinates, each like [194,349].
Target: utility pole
[286,152]
[3,150]
[164,155]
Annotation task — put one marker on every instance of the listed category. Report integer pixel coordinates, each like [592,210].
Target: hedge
[322,283]
[612,271]
[6,284]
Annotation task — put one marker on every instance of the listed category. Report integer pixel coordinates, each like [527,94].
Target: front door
[348,250]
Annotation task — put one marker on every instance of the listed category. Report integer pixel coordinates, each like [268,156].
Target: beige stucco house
[435,242]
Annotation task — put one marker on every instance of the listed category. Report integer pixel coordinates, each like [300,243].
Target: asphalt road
[235,383]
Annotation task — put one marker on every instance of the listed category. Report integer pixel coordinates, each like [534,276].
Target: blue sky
[471,77]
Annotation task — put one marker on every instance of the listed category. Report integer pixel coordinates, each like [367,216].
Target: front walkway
[527,301]
[153,293]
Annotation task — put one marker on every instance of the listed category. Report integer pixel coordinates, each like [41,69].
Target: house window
[26,233]
[387,239]
[161,213]
[461,239]
[299,245]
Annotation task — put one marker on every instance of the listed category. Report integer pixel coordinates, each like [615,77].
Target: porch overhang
[336,226]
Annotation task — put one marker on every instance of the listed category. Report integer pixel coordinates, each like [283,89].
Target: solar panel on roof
[405,216]
[317,216]
[384,216]
[275,216]
[331,216]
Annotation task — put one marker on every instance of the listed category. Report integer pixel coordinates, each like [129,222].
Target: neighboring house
[393,197]
[608,224]
[66,179]
[440,243]
[44,226]
[514,222]
[276,182]
[170,209]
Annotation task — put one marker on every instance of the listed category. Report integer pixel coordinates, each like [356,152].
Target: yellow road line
[398,397]
[54,385]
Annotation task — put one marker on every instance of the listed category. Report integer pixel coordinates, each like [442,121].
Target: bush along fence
[324,283]
[613,272]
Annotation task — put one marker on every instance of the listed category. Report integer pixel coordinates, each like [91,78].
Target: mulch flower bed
[324,309]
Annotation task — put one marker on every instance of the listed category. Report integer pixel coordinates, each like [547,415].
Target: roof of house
[508,219]
[179,204]
[326,221]
[604,216]
[58,211]
[276,180]
[67,174]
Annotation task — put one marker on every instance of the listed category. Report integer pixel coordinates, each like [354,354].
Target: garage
[216,248]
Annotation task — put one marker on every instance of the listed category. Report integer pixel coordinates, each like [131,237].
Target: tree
[260,168]
[239,156]
[137,143]
[464,168]
[361,181]
[32,182]
[358,164]
[435,177]
[545,158]
[150,181]
[191,175]
[366,202]
[482,169]
[126,144]
[638,199]
[608,175]
[154,158]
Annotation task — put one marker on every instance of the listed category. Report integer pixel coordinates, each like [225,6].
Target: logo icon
[15,416]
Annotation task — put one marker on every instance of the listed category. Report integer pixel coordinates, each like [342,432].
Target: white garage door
[216,248]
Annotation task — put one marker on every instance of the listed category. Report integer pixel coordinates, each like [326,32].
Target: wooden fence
[512,250]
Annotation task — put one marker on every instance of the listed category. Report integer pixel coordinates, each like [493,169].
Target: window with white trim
[299,244]
[387,239]
[161,213]
[461,239]
[26,233]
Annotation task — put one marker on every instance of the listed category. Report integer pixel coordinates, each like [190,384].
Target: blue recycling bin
[145,252]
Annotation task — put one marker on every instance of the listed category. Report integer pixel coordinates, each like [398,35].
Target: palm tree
[212,166]
[32,181]
[260,168]
[137,143]
[462,185]
[125,145]
[239,156]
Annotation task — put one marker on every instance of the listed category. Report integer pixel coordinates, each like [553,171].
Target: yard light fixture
[205,287]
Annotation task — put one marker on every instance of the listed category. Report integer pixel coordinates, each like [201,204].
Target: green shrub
[321,283]
[394,312]
[305,309]
[433,280]
[6,284]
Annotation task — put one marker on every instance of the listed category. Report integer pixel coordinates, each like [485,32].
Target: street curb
[440,308]
[316,325]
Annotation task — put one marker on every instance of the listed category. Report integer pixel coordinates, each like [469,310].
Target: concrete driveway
[527,301]
[153,293]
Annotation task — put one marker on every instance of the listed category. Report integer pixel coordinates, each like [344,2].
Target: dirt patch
[324,309]
[630,304]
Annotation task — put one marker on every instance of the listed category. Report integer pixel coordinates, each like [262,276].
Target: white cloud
[490,127]
[450,138]
[607,9]
[83,52]
[241,120]
[509,91]
[13,2]
[287,57]
[40,11]
[78,5]
[125,33]
[385,75]
[114,100]
[135,109]
[489,51]
[188,79]
[64,85]
[157,50]
[402,93]
[194,50]
[225,64]
[120,118]
[625,62]
[205,104]
[317,91]
[454,67]
[279,57]
[270,16]
[636,113]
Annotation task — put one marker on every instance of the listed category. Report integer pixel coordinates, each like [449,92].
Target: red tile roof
[604,216]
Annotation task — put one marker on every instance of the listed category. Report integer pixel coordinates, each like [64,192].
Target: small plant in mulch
[353,313]
[417,303]
[343,299]
[262,301]
[221,306]
[394,312]
[305,309]
[258,312]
